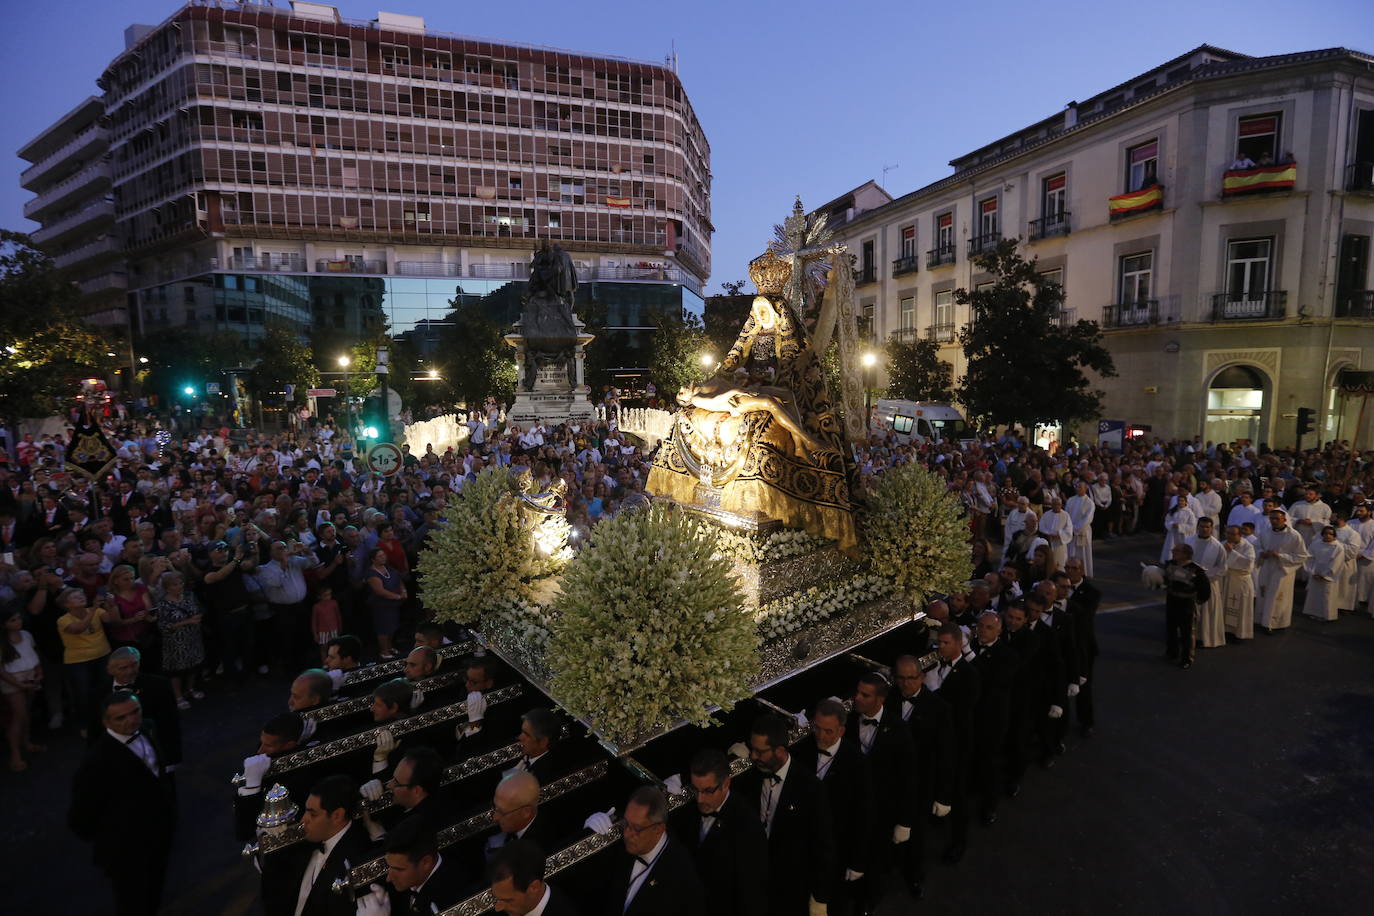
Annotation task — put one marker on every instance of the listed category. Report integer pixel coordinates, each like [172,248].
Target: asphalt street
[1244,785]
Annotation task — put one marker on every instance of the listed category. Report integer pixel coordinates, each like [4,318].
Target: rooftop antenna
[888,168]
[671,59]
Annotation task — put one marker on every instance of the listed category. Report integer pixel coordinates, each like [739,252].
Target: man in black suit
[123,804]
[1025,693]
[539,732]
[517,883]
[886,743]
[425,881]
[996,664]
[655,876]
[932,733]
[956,681]
[297,880]
[515,812]
[792,806]
[843,771]
[1053,696]
[1060,618]
[725,840]
[1084,599]
[414,790]
[280,736]
[154,694]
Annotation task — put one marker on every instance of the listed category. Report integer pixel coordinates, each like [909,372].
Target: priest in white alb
[1310,515]
[1057,529]
[1179,524]
[1237,598]
[1211,556]
[1324,567]
[1350,539]
[1081,509]
[1282,552]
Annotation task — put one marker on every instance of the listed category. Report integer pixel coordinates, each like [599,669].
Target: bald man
[515,813]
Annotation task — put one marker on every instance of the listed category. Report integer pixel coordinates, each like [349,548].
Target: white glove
[416,698]
[386,743]
[477,706]
[1056,712]
[814,908]
[254,769]
[1073,690]
[1082,681]
[371,790]
[375,902]
[939,810]
[673,784]
[336,677]
[900,834]
[602,822]
[802,720]
[738,749]
[852,875]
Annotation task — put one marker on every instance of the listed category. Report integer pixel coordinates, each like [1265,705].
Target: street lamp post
[345,362]
[869,360]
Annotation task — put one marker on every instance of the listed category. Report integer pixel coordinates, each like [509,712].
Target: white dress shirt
[641,868]
[543,902]
[314,867]
[824,757]
[868,732]
[140,745]
[768,797]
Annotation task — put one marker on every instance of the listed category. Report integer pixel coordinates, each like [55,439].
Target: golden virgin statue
[759,439]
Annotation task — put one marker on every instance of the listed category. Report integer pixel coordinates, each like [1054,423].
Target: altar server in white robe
[1324,567]
[1211,556]
[1237,598]
[1282,554]
[1363,524]
[1310,515]
[1245,510]
[1081,509]
[1016,520]
[1057,529]
[1207,503]
[1179,524]
[1350,539]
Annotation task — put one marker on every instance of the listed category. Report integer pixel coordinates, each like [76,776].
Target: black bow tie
[710,814]
[642,861]
[872,722]
[909,701]
[134,737]
[946,663]
[772,777]
[822,753]
[315,847]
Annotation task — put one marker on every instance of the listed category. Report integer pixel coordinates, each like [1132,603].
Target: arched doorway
[1237,404]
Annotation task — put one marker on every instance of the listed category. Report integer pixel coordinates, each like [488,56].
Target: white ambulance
[921,421]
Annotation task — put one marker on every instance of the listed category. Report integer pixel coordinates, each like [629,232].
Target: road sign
[385,459]
[321,392]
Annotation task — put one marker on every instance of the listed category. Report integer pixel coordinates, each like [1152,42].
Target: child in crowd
[325,620]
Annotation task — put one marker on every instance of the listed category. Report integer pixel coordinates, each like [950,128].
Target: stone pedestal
[554,398]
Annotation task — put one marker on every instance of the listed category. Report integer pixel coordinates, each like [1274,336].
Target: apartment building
[284,163]
[70,178]
[1213,214]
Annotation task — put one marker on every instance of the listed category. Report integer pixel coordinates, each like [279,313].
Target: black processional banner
[89,453]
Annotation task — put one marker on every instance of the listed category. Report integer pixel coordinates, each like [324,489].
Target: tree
[915,371]
[179,357]
[45,347]
[474,359]
[285,361]
[1025,364]
[722,318]
[733,289]
[675,356]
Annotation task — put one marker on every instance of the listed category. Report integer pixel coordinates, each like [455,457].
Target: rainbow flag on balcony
[1261,178]
[1136,201]
[617,201]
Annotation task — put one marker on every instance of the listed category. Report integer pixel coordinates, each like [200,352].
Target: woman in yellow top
[84,648]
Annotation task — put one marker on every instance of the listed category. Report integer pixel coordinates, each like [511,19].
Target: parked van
[921,421]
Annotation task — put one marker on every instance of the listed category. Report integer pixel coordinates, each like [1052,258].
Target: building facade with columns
[1214,215]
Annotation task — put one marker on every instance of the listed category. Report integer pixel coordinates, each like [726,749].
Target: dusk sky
[806,98]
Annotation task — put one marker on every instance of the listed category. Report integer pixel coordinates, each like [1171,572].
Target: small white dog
[1151,576]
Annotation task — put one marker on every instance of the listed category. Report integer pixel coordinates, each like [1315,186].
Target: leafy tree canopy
[915,371]
[678,345]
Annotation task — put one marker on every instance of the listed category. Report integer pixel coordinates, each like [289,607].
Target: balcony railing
[91,135]
[904,265]
[276,262]
[1359,176]
[940,333]
[1066,318]
[1048,226]
[99,210]
[937,257]
[85,252]
[864,275]
[429,269]
[67,188]
[1262,179]
[1136,314]
[1359,304]
[905,335]
[1131,203]
[983,243]
[326,266]
[1249,306]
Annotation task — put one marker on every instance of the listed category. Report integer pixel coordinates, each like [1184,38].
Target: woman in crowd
[85,647]
[21,676]
[131,606]
[385,591]
[179,617]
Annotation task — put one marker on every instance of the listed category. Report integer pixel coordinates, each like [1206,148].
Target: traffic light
[1305,417]
[372,421]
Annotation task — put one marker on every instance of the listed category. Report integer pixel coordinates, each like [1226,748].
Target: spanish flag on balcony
[1136,201]
[1262,178]
[617,201]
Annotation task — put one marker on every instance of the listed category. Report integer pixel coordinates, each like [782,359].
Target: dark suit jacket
[849,791]
[119,806]
[996,666]
[801,845]
[542,832]
[732,861]
[670,889]
[559,904]
[961,689]
[1083,603]
[159,705]
[892,765]
[932,733]
[1050,678]
[1066,635]
[282,873]
[444,888]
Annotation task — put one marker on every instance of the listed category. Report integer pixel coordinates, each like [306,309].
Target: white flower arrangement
[913,535]
[806,608]
[494,549]
[756,550]
[650,627]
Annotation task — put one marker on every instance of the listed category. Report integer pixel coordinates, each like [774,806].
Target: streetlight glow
[189,390]
[870,360]
[708,360]
[434,373]
[143,359]
[345,361]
